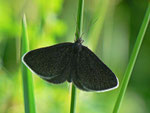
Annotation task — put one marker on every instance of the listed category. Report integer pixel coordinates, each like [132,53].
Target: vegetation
[109,28]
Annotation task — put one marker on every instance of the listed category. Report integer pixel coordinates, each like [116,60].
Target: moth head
[79,41]
[78,45]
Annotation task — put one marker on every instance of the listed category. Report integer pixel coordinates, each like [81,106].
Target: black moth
[71,62]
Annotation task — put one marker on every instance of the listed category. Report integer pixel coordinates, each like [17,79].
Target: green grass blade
[79,19]
[132,60]
[73,99]
[26,74]
[78,35]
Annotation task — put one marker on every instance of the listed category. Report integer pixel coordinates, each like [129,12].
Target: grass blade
[26,74]
[78,35]
[79,19]
[73,99]
[132,60]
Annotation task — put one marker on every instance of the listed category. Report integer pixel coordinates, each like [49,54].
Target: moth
[72,62]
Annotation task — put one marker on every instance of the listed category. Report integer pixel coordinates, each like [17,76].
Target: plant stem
[26,74]
[79,19]
[78,35]
[132,60]
[73,99]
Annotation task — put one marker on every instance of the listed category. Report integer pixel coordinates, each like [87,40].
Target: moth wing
[50,63]
[92,74]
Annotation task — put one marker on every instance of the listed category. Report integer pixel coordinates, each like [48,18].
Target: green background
[110,29]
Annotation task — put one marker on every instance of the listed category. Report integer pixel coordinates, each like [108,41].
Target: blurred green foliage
[110,29]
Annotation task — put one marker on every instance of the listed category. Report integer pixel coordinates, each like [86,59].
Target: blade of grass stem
[78,35]
[73,99]
[26,74]
[79,19]
[132,60]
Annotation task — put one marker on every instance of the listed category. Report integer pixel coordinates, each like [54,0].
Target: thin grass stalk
[79,19]
[132,60]
[78,35]
[29,103]
[73,99]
